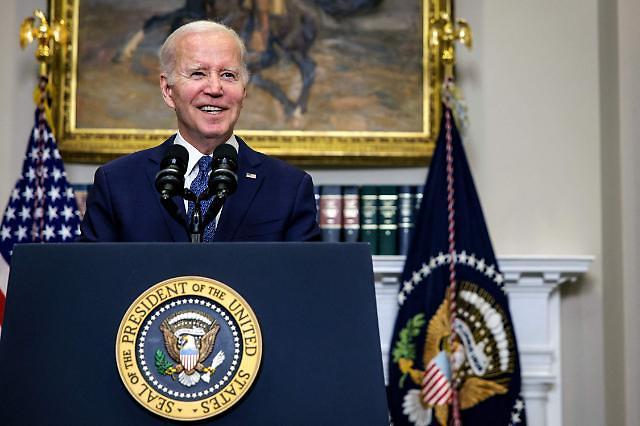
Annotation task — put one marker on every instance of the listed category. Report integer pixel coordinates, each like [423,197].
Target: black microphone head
[178,156]
[223,179]
[170,178]
[225,151]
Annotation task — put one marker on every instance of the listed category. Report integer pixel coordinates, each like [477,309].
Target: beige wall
[17,79]
[612,261]
[628,36]
[533,87]
[554,97]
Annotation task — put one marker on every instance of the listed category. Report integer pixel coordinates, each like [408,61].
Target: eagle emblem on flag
[189,337]
[482,354]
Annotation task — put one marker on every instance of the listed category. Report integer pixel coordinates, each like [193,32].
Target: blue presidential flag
[42,207]
[454,357]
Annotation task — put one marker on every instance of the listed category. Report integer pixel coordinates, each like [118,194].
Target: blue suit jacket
[277,205]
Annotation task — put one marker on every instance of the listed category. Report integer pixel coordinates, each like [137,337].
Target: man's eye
[229,75]
[197,74]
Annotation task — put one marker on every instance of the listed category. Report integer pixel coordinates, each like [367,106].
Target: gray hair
[168,50]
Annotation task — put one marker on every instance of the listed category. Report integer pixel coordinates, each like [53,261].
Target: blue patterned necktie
[198,186]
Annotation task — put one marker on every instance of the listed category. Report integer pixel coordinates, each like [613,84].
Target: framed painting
[333,83]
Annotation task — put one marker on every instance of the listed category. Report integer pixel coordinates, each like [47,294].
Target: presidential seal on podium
[189,348]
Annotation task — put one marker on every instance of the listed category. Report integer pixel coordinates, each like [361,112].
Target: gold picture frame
[384,145]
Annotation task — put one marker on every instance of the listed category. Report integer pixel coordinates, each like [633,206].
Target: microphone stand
[198,223]
[196,227]
[215,206]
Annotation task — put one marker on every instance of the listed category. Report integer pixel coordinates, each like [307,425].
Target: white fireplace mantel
[532,284]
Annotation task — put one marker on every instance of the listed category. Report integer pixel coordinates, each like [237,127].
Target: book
[406,208]
[350,214]
[331,213]
[316,195]
[388,220]
[369,216]
[417,196]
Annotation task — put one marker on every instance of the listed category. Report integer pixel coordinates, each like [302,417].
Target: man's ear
[167,91]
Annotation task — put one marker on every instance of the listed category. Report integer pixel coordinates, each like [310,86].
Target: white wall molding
[532,284]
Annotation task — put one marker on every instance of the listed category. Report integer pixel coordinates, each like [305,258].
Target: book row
[381,215]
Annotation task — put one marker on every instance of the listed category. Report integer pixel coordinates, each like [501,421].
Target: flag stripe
[4,278]
[431,371]
[436,388]
[441,395]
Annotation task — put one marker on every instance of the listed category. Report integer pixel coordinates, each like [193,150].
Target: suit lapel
[173,213]
[249,182]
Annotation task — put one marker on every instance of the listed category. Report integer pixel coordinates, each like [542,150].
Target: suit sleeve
[98,224]
[303,225]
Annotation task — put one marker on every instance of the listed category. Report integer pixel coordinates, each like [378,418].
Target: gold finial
[444,33]
[46,35]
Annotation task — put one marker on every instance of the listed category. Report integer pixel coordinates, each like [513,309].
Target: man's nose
[214,85]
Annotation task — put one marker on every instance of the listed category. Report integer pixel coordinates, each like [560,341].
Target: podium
[315,304]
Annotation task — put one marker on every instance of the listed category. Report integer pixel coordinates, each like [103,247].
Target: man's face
[206,88]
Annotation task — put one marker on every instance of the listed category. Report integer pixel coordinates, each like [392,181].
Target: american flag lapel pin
[251,175]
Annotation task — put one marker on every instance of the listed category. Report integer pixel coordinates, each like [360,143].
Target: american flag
[42,206]
[436,384]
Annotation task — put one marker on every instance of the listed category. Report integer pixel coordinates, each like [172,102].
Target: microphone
[170,178]
[223,179]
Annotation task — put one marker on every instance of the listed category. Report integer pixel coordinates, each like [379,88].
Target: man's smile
[210,109]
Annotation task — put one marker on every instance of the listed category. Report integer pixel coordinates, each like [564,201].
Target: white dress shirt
[192,166]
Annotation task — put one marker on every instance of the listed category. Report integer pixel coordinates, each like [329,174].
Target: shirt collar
[194,154]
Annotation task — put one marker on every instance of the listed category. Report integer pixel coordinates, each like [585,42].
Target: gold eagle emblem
[472,388]
[189,337]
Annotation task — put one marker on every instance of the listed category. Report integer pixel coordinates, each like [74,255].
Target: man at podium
[204,80]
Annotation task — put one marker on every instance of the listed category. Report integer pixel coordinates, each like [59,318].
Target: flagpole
[452,265]
[444,34]
[469,365]
[37,29]
[42,207]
